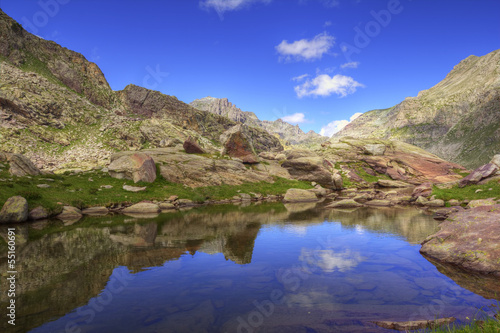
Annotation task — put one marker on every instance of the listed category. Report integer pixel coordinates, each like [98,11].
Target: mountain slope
[57,108]
[458,119]
[289,134]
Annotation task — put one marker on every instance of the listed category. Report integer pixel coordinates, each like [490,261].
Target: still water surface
[261,268]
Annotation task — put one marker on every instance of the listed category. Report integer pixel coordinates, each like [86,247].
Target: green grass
[78,191]
[469,192]
[488,325]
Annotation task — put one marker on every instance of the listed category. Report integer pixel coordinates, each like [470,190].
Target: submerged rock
[15,209]
[415,324]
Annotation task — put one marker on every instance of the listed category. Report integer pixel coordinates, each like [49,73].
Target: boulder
[421,201]
[191,146]
[137,167]
[310,168]
[434,203]
[237,144]
[481,202]
[374,149]
[453,202]
[142,208]
[38,213]
[166,206]
[392,183]
[70,213]
[299,195]
[95,211]
[21,166]
[423,190]
[496,160]
[346,203]
[267,155]
[15,209]
[134,189]
[337,182]
[468,239]
[480,173]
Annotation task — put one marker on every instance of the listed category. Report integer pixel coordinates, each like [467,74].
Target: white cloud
[222,6]
[306,49]
[326,85]
[337,125]
[327,24]
[296,118]
[300,77]
[353,64]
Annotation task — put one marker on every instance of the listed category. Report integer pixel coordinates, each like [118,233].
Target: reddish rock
[237,144]
[468,239]
[480,173]
[192,147]
[423,190]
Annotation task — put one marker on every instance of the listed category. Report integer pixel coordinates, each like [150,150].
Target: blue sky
[313,62]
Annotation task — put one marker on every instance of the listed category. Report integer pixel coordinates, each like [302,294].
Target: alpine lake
[265,267]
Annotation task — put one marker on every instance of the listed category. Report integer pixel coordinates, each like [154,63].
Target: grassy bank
[488,325]
[469,192]
[87,189]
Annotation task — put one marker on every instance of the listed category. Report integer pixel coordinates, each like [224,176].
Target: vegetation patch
[469,192]
[87,189]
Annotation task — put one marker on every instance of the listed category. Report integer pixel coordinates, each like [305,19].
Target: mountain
[289,134]
[58,109]
[458,119]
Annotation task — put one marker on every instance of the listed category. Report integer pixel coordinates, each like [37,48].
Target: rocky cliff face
[58,64]
[289,134]
[458,119]
[58,109]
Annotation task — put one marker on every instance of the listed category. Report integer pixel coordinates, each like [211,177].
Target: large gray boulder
[306,165]
[143,208]
[137,167]
[15,209]
[21,166]
[299,195]
[374,149]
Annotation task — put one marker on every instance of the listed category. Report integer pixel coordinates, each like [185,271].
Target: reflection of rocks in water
[239,247]
[298,207]
[142,235]
[407,222]
[63,267]
[485,285]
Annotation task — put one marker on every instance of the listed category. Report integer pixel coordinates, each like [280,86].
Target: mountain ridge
[289,134]
[457,119]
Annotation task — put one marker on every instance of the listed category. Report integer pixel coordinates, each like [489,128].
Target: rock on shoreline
[469,239]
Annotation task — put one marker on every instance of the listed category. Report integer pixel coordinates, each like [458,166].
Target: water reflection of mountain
[62,267]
